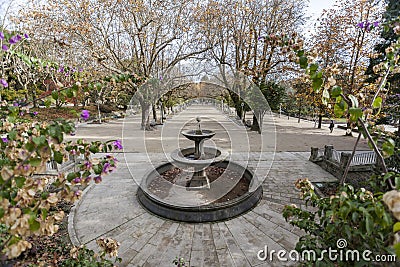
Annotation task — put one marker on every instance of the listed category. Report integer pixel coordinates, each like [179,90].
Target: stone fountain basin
[197,137]
[182,205]
[182,157]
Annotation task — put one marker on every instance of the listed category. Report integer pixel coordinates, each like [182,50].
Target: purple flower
[88,165]
[85,114]
[4,139]
[26,36]
[35,113]
[360,25]
[368,26]
[80,69]
[18,37]
[88,179]
[376,23]
[4,47]
[61,69]
[97,179]
[1,35]
[13,40]
[107,168]
[77,180]
[117,144]
[4,83]
[15,104]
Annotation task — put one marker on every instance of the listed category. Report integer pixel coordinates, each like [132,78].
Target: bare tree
[254,39]
[139,38]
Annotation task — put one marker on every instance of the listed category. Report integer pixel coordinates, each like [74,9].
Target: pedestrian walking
[331,126]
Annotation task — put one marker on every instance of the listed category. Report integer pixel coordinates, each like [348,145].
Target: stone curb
[73,237]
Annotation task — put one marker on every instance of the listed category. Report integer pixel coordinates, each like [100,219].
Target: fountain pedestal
[199,159]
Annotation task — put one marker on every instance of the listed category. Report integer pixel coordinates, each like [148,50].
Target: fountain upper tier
[198,135]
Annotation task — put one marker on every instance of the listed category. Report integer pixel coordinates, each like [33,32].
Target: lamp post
[222,103]
[243,113]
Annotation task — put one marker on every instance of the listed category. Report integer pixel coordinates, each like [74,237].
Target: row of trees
[142,39]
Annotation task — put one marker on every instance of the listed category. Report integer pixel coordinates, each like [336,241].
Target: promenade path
[111,209]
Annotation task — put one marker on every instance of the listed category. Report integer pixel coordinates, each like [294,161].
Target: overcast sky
[316,7]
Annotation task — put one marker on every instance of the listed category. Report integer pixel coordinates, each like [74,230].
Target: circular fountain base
[177,203]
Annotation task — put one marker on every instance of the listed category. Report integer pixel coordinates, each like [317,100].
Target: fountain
[200,184]
[198,157]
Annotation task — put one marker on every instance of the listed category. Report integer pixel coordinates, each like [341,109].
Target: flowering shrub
[83,257]
[358,216]
[25,201]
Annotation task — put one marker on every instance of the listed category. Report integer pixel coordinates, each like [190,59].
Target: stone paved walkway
[111,208]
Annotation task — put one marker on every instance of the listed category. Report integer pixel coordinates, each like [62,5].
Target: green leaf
[47,102]
[336,91]
[97,169]
[369,224]
[303,62]
[94,149]
[26,60]
[20,181]
[396,227]
[54,95]
[388,147]
[34,226]
[355,217]
[45,195]
[30,146]
[377,102]
[317,83]
[300,53]
[313,67]
[71,176]
[397,249]
[35,162]
[69,93]
[44,214]
[39,140]
[338,110]
[355,113]
[58,157]
[2,212]
[354,101]
[12,135]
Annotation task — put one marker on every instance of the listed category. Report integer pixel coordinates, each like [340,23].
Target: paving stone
[111,209]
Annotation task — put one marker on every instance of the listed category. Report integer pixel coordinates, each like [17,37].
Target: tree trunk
[145,125]
[255,126]
[34,100]
[298,121]
[257,121]
[319,121]
[237,103]
[154,113]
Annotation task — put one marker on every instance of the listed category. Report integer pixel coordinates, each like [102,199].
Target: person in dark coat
[331,126]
